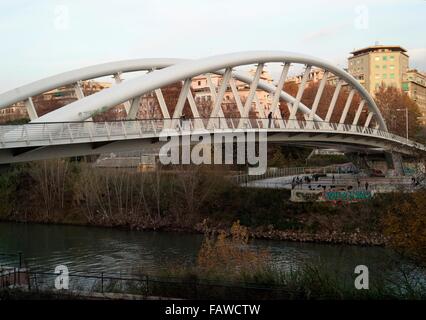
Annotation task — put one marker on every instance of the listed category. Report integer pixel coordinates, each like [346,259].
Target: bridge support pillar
[358,160]
[389,161]
[394,161]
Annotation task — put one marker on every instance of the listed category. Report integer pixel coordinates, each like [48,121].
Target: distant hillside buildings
[389,65]
[55,99]
[372,66]
[381,65]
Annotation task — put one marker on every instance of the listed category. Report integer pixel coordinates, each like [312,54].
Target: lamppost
[406,120]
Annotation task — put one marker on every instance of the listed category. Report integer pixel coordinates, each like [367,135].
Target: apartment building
[414,84]
[376,65]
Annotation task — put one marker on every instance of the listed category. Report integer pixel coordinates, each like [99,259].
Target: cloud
[101,31]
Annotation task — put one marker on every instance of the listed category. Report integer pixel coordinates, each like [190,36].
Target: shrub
[405,225]
[230,256]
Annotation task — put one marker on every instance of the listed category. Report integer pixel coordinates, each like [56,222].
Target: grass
[311,282]
[227,267]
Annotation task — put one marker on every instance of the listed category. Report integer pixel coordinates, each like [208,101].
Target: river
[113,250]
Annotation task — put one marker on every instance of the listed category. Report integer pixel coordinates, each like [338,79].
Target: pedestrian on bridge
[270,120]
[182,119]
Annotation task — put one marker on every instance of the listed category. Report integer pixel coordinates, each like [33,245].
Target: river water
[101,249]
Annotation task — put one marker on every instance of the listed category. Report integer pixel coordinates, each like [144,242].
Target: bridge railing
[73,132]
[271,173]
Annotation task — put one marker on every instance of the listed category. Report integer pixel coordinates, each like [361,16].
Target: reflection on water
[96,249]
[101,249]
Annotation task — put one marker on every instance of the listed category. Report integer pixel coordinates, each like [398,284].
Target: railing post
[70,133]
[102,282]
[124,128]
[28,280]
[107,130]
[140,128]
[155,127]
[26,133]
[50,136]
[89,126]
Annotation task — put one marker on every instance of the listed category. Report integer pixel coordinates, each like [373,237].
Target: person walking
[270,120]
[182,118]
[366,185]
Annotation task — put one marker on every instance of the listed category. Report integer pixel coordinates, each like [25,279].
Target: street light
[406,120]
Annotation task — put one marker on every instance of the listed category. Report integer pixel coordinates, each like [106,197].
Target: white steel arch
[111,68]
[26,92]
[174,70]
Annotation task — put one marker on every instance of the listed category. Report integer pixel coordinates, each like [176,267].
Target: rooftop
[376,48]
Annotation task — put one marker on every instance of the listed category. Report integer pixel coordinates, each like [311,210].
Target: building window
[392,67]
[384,66]
[392,76]
[377,58]
[385,58]
[391,58]
[377,66]
[385,76]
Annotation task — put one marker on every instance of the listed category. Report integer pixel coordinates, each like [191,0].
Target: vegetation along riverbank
[196,200]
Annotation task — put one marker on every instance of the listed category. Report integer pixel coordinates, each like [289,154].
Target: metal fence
[12,272]
[392,184]
[74,132]
[286,172]
[107,285]
[11,260]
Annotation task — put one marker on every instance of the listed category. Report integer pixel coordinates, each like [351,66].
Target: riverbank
[194,200]
[177,263]
[224,268]
[260,233]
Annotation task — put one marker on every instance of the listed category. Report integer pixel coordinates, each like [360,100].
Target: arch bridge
[356,125]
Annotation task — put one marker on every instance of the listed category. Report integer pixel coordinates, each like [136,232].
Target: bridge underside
[347,143]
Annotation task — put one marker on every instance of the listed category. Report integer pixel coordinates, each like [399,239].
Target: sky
[45,37]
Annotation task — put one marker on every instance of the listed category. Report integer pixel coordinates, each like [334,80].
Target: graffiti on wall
[334,196]
[348,195]
[303,196]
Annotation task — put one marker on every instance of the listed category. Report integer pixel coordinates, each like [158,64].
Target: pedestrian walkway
[335,182]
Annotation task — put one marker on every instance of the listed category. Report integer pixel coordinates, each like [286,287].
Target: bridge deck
[38,135]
